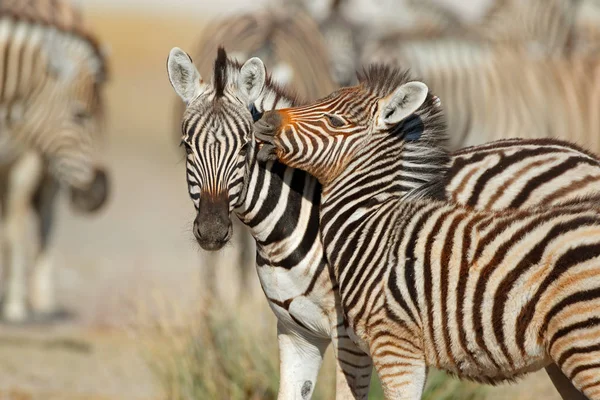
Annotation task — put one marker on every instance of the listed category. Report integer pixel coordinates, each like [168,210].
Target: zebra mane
[423,136]
[61,16]
[220,71]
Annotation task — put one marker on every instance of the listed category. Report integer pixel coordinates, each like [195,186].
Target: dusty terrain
[135,257]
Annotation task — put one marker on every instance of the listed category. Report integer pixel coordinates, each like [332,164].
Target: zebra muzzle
[212,226]
[264,134]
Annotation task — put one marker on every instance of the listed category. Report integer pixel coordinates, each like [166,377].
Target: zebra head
[63,121]
[327,136]
[217,135]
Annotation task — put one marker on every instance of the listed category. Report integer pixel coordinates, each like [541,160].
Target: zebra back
[543,26]
[58,14]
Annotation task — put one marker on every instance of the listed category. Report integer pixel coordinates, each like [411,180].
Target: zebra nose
[266,127]
[212,226]
[95,196]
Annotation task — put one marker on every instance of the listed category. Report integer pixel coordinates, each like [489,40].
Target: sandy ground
[138,251]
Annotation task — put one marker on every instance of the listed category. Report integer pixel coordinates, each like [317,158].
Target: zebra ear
[252,78]
[402,103]
[184,76]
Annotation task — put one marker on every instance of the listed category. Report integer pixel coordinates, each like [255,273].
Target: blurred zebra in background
[500,90]
[52,72]
[496,92]
[292,47]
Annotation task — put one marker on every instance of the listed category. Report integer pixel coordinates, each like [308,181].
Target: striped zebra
[486,295]
[548,27]
[494,92]
[545,27]
[292,45]
[280,206]
[52,70]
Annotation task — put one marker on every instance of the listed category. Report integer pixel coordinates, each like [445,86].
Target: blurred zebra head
[217,135]
[63,116]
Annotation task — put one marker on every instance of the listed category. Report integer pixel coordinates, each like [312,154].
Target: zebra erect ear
[403,102]
[252,78]
[184,76]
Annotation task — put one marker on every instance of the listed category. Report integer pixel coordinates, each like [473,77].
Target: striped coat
[486,295]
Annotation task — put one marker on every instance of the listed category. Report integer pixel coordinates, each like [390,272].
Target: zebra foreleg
[20,246]
[42,282]
[402,371]
[300,359]
[353,367]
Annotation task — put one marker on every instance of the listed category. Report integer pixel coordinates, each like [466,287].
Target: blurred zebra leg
[300,358]
[20,247]
[42,281]
[246,250]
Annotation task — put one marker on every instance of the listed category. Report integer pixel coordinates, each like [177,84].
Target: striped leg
[20,246]
[300,359]
[353,367]
[42,282]
[563,385]
[401,370]
[575,348]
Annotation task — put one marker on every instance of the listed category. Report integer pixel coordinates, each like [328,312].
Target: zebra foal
[486,295]
[50,112]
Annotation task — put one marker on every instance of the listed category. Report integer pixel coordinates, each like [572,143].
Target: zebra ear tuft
[403,102]
[252,78]
[184,76]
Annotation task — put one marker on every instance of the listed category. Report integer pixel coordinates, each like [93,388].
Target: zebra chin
[212,226]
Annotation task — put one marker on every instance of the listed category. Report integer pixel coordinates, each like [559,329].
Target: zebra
[52,72]
[494,92]
[486,295]
[280,205]
[292,45]
[552,28]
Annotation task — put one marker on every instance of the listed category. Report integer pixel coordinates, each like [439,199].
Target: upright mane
[423,136]
[220,78]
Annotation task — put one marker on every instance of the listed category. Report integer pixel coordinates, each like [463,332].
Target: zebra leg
[576,350]
[300,359]
[402,373]
[563,385]
[42,288]
[20,246]
[353,367]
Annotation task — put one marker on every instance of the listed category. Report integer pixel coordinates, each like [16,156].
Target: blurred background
[131,279]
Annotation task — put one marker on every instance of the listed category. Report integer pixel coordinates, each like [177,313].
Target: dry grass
[226,353]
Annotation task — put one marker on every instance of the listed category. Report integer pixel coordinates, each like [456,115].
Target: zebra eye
[336,122]
[186,146]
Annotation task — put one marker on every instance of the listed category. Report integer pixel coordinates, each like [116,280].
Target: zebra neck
[279,202]
[389,169]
